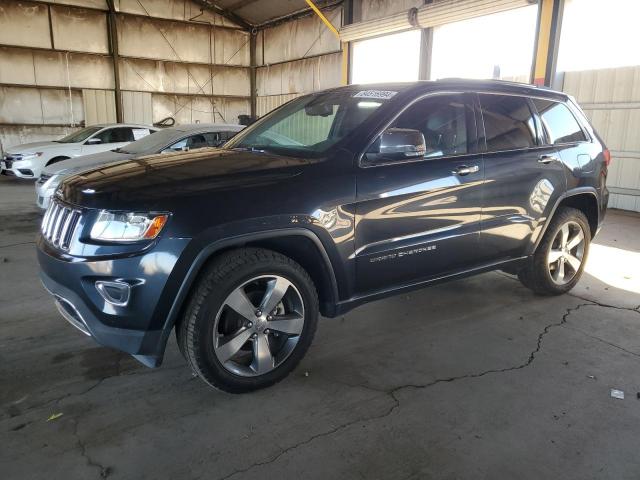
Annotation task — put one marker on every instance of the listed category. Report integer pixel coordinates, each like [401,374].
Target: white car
[28,160]
[173,139]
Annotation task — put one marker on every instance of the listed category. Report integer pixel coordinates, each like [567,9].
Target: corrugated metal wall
[297,57]
[57,72]
[611,99]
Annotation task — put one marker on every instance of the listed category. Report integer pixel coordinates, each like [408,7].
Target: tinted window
[508,122]
[443,122]
[560,126]
[312,124]
[213,139]
[116,135]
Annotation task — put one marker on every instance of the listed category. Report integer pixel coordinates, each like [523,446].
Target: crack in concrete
[17,244]
[392,393]
[605,305]
[104,471]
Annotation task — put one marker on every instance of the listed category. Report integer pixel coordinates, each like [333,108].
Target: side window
[176,147]
[508,122]
[442,120]
[116,135]
[559,124]
[196,141]
[213,139]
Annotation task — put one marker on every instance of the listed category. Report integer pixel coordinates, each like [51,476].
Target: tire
[544,274]
[269,344]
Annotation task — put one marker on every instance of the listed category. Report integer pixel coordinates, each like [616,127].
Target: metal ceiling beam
[226,13]
[305,12]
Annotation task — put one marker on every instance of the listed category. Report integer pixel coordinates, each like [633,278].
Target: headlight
[127,226]
[31,155]
[52,181]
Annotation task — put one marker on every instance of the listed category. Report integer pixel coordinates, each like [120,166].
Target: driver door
[419,218]
[109,139]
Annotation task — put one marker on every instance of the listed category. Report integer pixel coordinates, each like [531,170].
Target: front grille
[59,223]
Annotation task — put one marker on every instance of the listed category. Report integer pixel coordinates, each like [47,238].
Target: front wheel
[559,260]
[250,320]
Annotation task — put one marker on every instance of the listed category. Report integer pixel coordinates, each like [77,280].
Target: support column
[426,51]
[347,18]
[548,29]
[253,74]
[112,32]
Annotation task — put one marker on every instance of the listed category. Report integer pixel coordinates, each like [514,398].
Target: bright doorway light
[392,58]
[474,48]
[597,34]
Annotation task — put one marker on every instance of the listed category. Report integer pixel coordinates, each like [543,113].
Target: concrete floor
[475,379]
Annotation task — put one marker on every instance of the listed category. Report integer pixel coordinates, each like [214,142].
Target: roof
[456,83]
[195,127]
[133,125]
[258,13]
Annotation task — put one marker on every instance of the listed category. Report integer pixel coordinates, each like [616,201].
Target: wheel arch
[59,158]
[584,199]
[302,245]
[587,203]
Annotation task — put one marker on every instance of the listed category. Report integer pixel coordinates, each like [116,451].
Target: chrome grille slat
[52,220]
[59,224]
[65,227]
[57,229]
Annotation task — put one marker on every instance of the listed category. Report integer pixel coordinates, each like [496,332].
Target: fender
[217,245]
[541,230]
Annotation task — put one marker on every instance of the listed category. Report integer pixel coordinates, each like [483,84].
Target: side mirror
[93,141]
[397,144]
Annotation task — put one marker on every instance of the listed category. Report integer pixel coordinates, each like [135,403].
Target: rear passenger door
[419,218]
[562,130]
[523,176]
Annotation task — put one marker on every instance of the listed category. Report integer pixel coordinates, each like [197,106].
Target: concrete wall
[611,99]
[297,57]
[57,68]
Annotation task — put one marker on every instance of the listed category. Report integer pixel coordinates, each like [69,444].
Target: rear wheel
[250,320]
[559,260]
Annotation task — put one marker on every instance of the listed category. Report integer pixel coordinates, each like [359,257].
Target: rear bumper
[135,327]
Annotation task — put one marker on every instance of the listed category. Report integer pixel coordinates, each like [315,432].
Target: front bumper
[135,328]
[20,169]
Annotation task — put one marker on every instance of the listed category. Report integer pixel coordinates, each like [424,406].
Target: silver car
[30,159]
[181,138]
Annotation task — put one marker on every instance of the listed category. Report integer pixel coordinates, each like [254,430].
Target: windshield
[80,135]
[153,143]
[311,124]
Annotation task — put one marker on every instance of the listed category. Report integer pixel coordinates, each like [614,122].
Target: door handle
[547,159]
[465,170]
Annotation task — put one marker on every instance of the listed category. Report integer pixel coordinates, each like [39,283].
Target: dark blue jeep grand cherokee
[332,200]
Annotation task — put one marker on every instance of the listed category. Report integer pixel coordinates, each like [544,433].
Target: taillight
[607,156]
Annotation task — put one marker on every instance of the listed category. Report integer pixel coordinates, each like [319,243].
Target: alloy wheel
[565,256]
[258,325]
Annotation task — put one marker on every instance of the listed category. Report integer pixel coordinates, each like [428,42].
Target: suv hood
[155,182]
[87,162]
[35,147]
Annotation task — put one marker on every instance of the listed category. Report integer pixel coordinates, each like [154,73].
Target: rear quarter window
[559,124]
[508,122]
